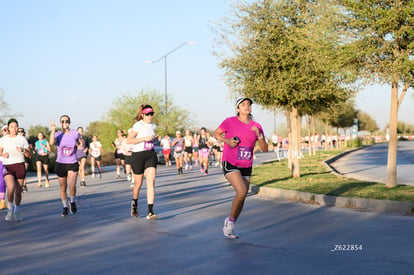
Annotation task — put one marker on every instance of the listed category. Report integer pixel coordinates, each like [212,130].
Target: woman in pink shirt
[239,135]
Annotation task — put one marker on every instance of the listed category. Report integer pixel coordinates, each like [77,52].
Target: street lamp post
[165,67]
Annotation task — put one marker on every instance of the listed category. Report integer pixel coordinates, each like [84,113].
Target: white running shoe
[129,178]
[93,175]
[17,216]
[9,216]
[228,229]
[151,216]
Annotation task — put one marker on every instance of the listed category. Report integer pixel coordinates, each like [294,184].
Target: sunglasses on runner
[64,121]
[149,114]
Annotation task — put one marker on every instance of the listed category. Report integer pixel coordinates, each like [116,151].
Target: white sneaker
[9,217]
[93,175]
[17,216]
[186,167]
[228,229]
[129,178]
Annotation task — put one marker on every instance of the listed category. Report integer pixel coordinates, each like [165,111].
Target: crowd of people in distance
[231,147]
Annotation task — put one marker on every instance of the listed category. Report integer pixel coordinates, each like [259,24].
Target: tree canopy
[285,54]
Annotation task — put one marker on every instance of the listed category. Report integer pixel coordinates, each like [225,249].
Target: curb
[374,205]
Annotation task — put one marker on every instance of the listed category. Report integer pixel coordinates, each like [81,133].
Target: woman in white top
[166,149]
[13,149]
[95,149]
[127,150]
[144,158]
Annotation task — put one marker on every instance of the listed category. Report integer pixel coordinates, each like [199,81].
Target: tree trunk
[392,144]
[326,136]
[308,121]
[315,142]
[289,151]
[294,142]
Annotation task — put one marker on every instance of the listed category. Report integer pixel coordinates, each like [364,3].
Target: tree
[284,56]
[366,122]
[5,112]
[105,131]
[125,109]
[343,115]
[380,35]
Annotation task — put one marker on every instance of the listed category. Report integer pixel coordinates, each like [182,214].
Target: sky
[78,57]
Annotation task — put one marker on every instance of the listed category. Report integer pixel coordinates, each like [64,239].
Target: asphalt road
[370,164]
[276,237]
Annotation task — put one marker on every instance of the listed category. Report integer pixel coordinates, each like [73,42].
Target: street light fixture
[165,65]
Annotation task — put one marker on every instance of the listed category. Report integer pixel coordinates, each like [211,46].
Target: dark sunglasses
[149,114]
[20,131]
[64,121]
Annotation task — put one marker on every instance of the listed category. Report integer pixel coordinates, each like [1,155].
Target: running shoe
[9,216]
[73,208]
[25,188]
[151,216]
[99,175]
[47,184]
[93,175]
[17,216]
[228,229]
[134,210]
[65,211]
[129,178]
[39,184]
[83,184]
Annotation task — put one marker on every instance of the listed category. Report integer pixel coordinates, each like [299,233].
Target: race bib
[244,153]
[95,153]
[148,145]
[41,151]
[178,148]
[204,150]
[68,151]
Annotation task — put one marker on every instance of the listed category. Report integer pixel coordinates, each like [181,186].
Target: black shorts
[228,168]
[18,170]
[128,159]
[98,158]
[43,159]
[61,169]
[119,156]
[188,150]
[143,160]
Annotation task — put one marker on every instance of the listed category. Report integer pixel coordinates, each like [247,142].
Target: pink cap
[147,110]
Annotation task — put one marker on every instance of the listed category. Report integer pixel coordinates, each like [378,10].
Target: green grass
[316,177]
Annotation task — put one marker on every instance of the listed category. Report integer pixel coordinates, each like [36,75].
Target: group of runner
[233,143]
[238,134]
[191,150]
